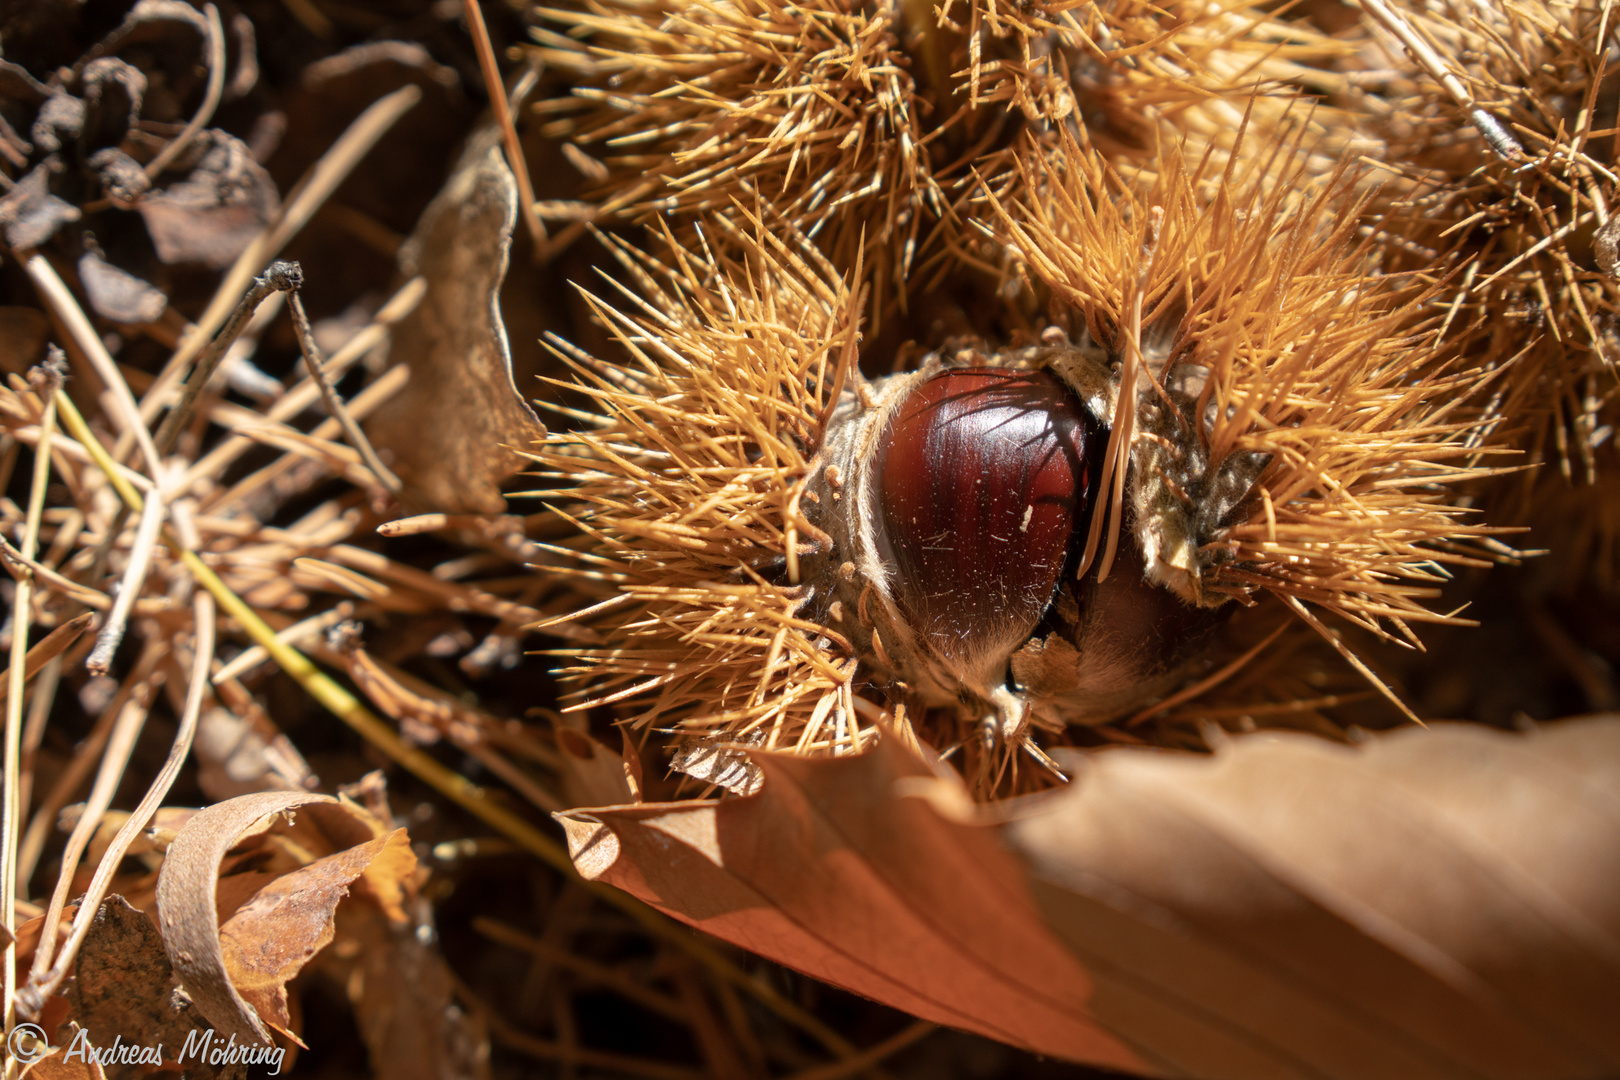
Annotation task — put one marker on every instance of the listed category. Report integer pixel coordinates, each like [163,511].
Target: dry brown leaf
[217,210]
[1435,903]
[827,871]
[404,999]
[56,1066]
[275,933]
[450,429]
[593,775]
[123,990]
[295,910]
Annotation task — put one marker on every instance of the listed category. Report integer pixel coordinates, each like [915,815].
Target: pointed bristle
[690,484]
[1329,373]
[812,107]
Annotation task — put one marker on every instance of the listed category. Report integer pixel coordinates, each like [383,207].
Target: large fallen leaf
[828,871]
[450,430]
[237,973]
[1434,903]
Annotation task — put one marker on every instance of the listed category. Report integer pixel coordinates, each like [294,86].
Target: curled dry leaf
[29,213]
[450,430]
[276,932]
[237,973]
[593,775]
[214,212]
[1434,903]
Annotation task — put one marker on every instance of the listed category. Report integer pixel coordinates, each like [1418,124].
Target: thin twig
[837,1070]
[601,974]
[278,277]
[125,412]
[1496,136]
[86,754]
[307,196]
[295,635]
[114,760]
[47,382]
[41,987]
[50,647]
[129,587]
[74,451]
[301,396]
[84,594]
[334,404]
[205,112]
[582,1055]
[39,712]
[503,116]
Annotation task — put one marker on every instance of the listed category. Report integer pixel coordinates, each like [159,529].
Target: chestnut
[952,501]
[983,477]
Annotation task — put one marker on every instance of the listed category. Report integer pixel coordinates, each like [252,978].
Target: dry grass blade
[47,381]
[43,981]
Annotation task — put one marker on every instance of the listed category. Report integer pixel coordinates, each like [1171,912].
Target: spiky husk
[1306,356]
[687,484]
[1515,232]
[868,127]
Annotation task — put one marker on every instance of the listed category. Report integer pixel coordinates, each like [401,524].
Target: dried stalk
[334,404]
[211,96]
[503,116]
[129,587]
[125,412]
[47,380]
[49,648]
[278,277]
[301,396]
[307,196]
[126,729]
[43,984]
[85,757]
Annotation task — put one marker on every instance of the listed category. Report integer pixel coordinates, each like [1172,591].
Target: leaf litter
[1431,903]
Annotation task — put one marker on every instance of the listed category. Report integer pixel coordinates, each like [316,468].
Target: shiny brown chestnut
[982,479]
[951,503]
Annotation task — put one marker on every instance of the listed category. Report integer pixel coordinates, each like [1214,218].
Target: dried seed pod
[1279,423]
